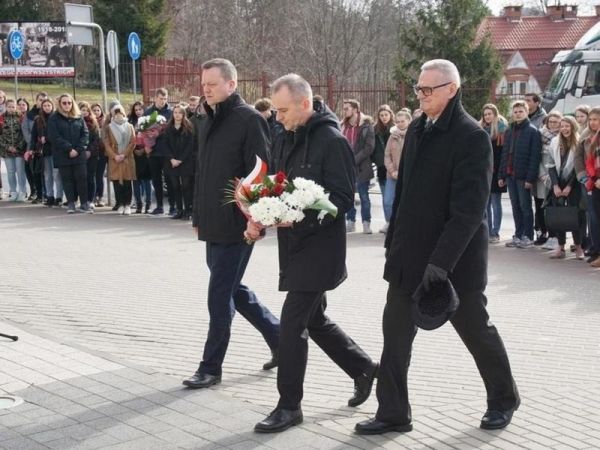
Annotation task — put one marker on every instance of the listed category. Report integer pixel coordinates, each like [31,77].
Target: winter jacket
[587,161]
[231,137]
[537,118]
[180,146]
[39,130]
[497,144]
[124,170]
[12,135]
[67,133]
[312,253]
[521,153]
[363,148]
[544,183]
[393,152]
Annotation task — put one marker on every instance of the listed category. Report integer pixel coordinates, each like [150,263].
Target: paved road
[135,288]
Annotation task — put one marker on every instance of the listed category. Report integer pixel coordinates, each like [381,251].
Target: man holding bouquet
[230,138]
[312,252]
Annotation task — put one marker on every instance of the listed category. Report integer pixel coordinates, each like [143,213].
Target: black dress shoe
[495,419]
[202,380]
[177,216]
[279,420]
[363,386]
[272,363]
[374,426]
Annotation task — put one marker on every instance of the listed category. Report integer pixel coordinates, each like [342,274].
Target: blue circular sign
[16,44]
[134,45]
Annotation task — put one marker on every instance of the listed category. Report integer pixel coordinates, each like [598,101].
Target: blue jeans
[520,200]
[15,170]
[365,203]
[52,179]
[494,213]
[227,263]
[388,198]
[142,187]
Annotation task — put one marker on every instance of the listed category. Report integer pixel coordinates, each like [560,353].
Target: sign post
[112,54]
[134,45]
[16,46]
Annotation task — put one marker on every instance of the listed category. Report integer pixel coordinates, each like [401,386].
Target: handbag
[561,216]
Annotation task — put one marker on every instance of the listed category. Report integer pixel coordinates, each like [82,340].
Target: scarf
[121,131]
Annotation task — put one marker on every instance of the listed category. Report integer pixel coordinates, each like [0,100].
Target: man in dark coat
[312,253]
[437,231]
[229,140]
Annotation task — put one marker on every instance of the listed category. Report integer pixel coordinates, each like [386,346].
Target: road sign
[134,45]
[79,35]
[112,49]
[16,44]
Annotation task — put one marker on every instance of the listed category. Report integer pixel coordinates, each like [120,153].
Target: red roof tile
[535,32]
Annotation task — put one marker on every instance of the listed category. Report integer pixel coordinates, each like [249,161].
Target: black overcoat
[312,254]
[442,190]
[180,146]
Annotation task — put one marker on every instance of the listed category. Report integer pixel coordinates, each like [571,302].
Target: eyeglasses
[428,90]
[66,103]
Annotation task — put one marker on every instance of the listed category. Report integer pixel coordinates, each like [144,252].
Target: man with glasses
[438,231]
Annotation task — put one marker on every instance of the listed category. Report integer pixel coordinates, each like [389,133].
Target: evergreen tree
[447,29]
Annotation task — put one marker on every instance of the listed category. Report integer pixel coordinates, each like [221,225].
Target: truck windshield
[558,80]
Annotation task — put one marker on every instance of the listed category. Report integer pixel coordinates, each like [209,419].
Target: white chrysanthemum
[161,119]
[268,211]
[292,215]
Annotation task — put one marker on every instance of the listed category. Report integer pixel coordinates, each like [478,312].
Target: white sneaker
[514,242]
[127,211]
[21,197]
[121,210]
[367,228]
[551,244]
[384,229]
[12,196]
[525,243]
[350,226]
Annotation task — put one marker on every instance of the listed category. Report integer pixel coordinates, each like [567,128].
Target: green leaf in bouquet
[324,206]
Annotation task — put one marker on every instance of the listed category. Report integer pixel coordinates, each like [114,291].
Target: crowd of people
[58,152]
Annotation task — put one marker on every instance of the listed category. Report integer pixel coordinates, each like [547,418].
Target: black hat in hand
[435,304]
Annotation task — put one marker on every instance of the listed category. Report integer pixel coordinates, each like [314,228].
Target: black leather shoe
[202,380]
[272,363]
[374,426]
[495,419]
[279,420]
[363,386]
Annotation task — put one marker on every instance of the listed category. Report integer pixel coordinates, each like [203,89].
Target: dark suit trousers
[303,315]
[481,338]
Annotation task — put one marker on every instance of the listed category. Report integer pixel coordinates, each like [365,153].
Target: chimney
[570,12]
[513,13]
[555,12]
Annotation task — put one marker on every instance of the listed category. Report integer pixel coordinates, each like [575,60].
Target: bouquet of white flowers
[149,128]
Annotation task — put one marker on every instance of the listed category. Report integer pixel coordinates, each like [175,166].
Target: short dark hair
[536,98]
[263,104]
[352,102]
[228,70]
[161,91]
[41,94]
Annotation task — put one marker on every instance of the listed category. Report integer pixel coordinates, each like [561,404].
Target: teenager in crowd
[142,184]
[34,165]
[495,125]
[581,116]
[12,149]
[92,152]
[101,166]
[179,163]
[383,125]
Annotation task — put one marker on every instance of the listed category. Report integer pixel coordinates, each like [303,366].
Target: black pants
[31,181]
[91,167]
[182,190]
[123,192]
[74,179]
[100,168]
[481,338]
[540,219]
[303,315]
[156,164]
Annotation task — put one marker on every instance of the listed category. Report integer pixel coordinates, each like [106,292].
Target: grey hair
[445,67]
[298,86]
[228,70]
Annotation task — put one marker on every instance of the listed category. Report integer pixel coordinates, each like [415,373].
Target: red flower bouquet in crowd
[274,199]
[149,128]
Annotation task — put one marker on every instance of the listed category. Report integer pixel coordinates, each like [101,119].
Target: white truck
[576,79]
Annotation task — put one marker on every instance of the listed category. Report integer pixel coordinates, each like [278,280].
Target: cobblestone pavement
[129,293]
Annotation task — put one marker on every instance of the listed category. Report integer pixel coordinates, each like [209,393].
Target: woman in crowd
[2,102]
[41,143]
[34,165]
[179,164]
[92,151]
[548,131]
[587,167]
[564,182]
[12,149]
[119,142]
[393,152]
[142,184]
[385,122]
[581,116]
[68,136]
[101,167]
[495,125]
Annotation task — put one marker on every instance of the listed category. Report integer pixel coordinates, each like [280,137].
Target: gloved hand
[433,274]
